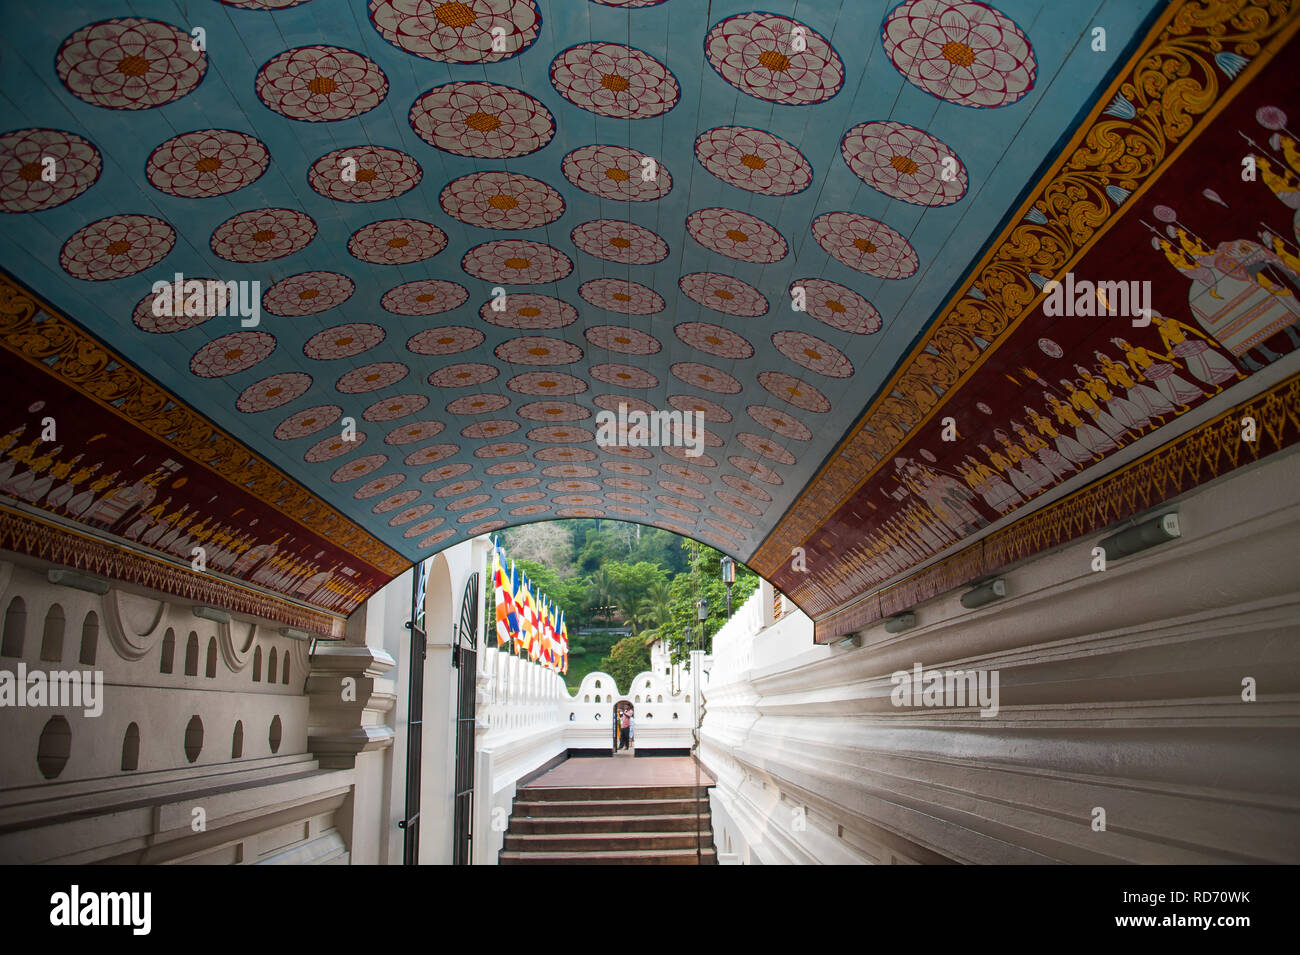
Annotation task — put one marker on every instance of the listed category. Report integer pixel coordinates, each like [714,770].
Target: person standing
[624,724]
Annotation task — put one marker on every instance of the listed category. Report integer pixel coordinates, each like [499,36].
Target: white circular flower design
[784,424]
[706,377]
[711,410]
[612,402]
[371,377]
[538,350]
[309,421]
[205,163]
[414,432]
[261,235]
[330,448]
[766,447]
[813,353]
[546,384]
[621,295]
[529,310]
[231,354]
[865,245]
[115,247]
[516,262]
[358,468]
[904,162]
[459,31]
[397,242]
[960,51]
[182,305]
[273,392]
[725,294]
[425,297]
[321,84]
[625,341]
[449,340]
[477,404]
[463,375]
[753,160]
[410,514]
[755,469]
[625,376]
[343,341]
[737,235]
[837,306]
[399,406]
[431,453]
[445,472]
[364,174]
[307,293]
[377,486]
[501,200]
[618,241]
[130,63]
[483,120]
[487,430]
[394,501]
[24,158]
[774,58]
[616,172]
[714,340]
[794,390]
[611,79]
[746,486]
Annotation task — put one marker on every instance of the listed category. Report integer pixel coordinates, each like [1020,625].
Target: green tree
[626,659]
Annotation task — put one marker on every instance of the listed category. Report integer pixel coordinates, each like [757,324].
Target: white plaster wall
[1119,689]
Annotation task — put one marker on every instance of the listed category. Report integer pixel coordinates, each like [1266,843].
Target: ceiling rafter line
[1275,32]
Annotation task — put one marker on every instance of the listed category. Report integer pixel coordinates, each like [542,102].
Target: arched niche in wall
[89,639]
[56,624]
[15,628]
[236,640]
[133,623]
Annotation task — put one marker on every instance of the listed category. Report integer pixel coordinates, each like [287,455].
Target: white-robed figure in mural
[1238,296]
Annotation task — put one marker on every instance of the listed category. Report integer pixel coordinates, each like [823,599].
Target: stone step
[680,822]
[634,857]
[526,808]
[605,841]
[606,793]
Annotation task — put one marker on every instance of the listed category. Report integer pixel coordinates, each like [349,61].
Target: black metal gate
[410,826]
[464,656]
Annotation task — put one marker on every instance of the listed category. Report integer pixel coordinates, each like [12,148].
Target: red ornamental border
[27,534]
[1211,450]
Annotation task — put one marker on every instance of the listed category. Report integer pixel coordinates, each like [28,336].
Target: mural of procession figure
[949,499]
[1281,181]
[1238,294]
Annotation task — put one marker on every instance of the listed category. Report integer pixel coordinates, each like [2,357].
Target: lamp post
[701,615]
[728,578]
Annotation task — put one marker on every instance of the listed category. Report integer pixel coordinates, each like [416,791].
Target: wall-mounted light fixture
[211,613]
[985,594]
[904,621]
[70,578]
[295,634]
[1131,540]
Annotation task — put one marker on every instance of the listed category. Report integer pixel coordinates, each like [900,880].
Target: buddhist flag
[502,608]
[514,595]
[564,644]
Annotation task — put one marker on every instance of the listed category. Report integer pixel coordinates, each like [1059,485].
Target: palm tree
[600,593]
[655,611]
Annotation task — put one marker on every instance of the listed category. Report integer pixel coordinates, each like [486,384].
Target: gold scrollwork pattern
[34,333]
[1213,449]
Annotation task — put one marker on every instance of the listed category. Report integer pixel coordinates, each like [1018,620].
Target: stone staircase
[610,825]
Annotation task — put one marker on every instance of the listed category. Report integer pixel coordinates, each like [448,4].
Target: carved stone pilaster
[349,703]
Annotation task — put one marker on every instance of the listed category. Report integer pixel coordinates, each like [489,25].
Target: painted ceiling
[477,224]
